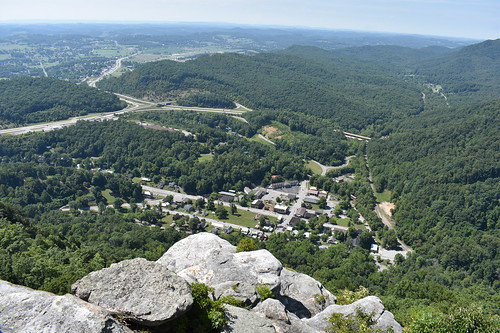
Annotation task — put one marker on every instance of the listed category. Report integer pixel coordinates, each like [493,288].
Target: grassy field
[384,196]
[120,71]
[315,168]
[245,218]
[205,158]
[143,58]
[168,219]
[345,223]
[4,56]
[109,197]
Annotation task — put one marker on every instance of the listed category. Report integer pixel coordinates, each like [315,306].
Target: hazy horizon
[442,18]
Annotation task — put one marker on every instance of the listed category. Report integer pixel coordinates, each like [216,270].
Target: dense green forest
[128,148]
[58,248]
[309,137]
[353,94]
[34,100]
[445,182]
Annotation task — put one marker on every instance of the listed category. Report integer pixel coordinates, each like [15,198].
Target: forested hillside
[445,182]
[471,74]
[32,100]
[354,95]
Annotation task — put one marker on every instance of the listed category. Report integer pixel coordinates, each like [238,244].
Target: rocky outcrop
[369,305]
[140,290]
[150,293]
[243,321]
[303,295]
[206,258]
[30,311]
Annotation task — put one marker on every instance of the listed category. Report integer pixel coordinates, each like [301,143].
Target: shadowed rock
[303,295]
[282,320]
[140,290]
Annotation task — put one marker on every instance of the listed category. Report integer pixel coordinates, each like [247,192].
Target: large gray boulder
[30,311]
[197,249]
[243,321]
[140,290]
[303,295]
[206,258]
[371,304]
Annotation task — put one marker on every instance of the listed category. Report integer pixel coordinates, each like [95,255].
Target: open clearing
[383,196]
[386,207]
[315,167]
[205,158]
[271,132]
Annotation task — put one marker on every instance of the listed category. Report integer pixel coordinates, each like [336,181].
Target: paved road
[298,203]
[180,196]
[265,139]
[138,106]
[116,66]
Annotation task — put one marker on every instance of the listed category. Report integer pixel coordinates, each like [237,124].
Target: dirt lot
[271,132]
[386,207]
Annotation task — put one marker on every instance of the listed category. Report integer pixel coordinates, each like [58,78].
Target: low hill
[353,94]
[470,73]
[32,100]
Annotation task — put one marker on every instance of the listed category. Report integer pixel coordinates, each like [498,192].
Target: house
[374,248]
[189,208]
[230,193]
[257,204]
[218,225]
[145,179]
[293,221]
[228,229]
[308,214]
[226,198]
[259,193]
[311,200]
[323,194]
[281,209]
[291,196]
[339,228]
[313,192]
[276,186]
[148,194]
[300,212]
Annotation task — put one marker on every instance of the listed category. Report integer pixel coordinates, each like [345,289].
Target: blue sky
[455,18]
